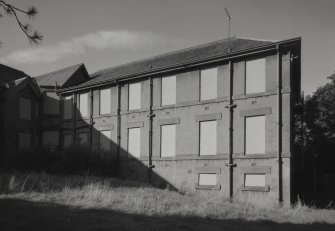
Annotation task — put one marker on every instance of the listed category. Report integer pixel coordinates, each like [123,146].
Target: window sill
[208,187]
[256,188]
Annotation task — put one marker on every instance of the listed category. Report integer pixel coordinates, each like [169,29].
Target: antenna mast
[229,18]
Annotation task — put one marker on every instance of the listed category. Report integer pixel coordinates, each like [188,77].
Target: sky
[106,33]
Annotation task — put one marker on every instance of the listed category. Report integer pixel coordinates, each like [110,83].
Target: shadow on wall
[15,214]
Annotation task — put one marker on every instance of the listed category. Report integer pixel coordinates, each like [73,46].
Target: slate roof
[59,76]
[8,74]
[189,55]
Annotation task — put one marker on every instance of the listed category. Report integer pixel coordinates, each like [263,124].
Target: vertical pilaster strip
[279,117]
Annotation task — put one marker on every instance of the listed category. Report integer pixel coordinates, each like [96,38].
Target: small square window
[24,141]
[255,76]
[68,104]
[207,179]
[25,108]
[50,103]
[168,140]
[51,138]
[67,140]
[83,138]
[208,84]
[169,90]
[254,180]
[83,105]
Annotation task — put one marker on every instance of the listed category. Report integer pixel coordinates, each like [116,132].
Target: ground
[40,203]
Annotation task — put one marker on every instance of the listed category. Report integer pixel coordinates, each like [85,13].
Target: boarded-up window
[83,138]
[83,105]
[25,108]
[208,179]
[134,96]
[208,86]
[255,76]
[67,140]
[208,138]
[168,90]
[168,140]
[51,138]
[68,105]
[254,180]
[105,101]
[134,142]
[24,141]
[50,103]
[105,140]
[255,135]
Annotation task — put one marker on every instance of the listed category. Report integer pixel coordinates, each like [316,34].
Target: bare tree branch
[33,36]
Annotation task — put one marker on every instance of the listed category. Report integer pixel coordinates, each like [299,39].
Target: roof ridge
[161,55]
[62,69]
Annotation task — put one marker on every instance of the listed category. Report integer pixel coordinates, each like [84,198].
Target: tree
[7,9]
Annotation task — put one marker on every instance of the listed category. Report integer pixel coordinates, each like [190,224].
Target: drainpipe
[231,107]
[279,142]
[91,119]
[61,113]
[118,127]
[150,115]
[74,110]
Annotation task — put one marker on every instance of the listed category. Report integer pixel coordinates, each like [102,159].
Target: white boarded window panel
[50,138]
[83,105]
[83,138]
[208,138]
[255,135]
[105,140]
[169,90]
[24,141]
[67,140]
[50,103]
[208,84]
[168,140]
[254,180]
[207,179]
[105,101]
[134,142]
[68,104]
[255,76]
[134,96]
[25,108]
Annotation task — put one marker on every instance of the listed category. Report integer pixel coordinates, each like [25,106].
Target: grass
[125,198]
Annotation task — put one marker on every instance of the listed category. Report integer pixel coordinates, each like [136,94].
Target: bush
[74,160]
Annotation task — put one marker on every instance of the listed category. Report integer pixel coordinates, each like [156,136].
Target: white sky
[105,33]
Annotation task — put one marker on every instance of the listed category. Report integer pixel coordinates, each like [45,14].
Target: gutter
[214,59]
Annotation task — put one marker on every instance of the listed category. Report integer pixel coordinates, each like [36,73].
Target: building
[215,119]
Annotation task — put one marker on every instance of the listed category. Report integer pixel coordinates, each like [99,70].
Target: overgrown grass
[138,198]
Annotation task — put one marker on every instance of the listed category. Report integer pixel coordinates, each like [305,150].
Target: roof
[8,74]
[18,84]
[60,76]
[166,62]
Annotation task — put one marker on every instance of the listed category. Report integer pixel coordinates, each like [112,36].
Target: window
[105,140]
[134,96]
[208,84]
[169,90]
[255,76]
[208,179]
[24,141]
[68,107]
[208,138]
[134,142]
[25,108]
[105,101]
[50,138]
[254,180]
[50,103]
[83,138]
[168,140]
[255,135]
[83,105]
[67,140]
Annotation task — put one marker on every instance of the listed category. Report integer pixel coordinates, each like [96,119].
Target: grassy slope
[37,202]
